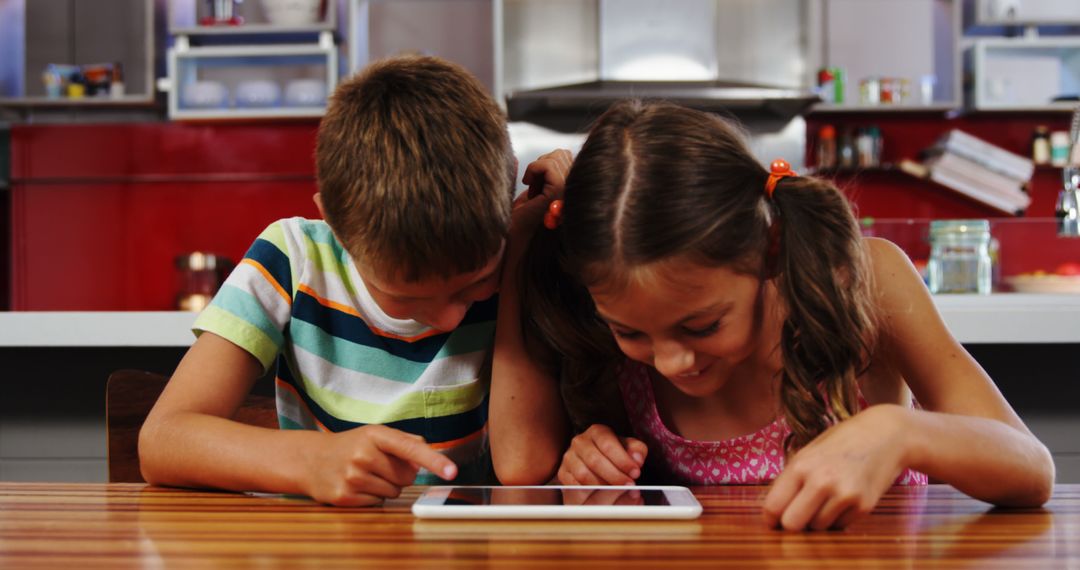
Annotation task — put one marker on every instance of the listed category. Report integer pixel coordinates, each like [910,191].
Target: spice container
[845,150]
[960,259]
[868,147]
[1059,148]
[870,91]
[199,275]
[1040,145]
[826,147]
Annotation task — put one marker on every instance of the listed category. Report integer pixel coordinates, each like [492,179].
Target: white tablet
[557,502]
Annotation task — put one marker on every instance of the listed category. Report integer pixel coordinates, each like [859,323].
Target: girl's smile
[697,326]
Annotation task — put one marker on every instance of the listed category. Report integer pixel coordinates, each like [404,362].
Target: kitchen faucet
[1068,202]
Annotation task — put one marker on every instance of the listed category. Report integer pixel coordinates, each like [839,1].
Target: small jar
[826,147]
[1040,145]
[199,276]
[960,259]
[1059,148]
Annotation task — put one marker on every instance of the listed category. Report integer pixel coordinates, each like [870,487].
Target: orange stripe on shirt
[352,311]
[270,278]
[283,384]
[461,440]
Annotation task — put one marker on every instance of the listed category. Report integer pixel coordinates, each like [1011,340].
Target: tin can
[887,89]
[870,91]
[894,89]
[831,84]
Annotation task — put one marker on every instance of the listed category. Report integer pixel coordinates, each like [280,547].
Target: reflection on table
[123,525]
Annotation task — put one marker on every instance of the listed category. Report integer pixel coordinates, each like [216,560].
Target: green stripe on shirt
[241,333]
[426,403]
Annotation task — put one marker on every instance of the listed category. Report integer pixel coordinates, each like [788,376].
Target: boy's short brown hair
[415,169]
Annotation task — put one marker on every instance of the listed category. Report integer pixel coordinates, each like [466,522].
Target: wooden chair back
[129,396]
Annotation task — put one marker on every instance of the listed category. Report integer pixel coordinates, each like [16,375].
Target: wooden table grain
[79,526]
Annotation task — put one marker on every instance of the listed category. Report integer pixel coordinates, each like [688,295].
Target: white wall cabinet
[265,67]
[874,41]
[1025,74]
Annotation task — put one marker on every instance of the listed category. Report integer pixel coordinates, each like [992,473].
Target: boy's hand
[365,465]
[599,457]
[547,174]
[546,177]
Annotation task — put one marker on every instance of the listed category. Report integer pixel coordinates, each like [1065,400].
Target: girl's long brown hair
[656,181]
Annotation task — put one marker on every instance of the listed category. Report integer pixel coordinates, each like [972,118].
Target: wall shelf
[880,108]
[251,30]
[125,101]
[37,33]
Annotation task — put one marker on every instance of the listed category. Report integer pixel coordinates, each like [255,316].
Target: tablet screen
[545,497]
[558,502]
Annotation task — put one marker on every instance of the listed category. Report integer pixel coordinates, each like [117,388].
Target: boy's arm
[189,441]
[529,428]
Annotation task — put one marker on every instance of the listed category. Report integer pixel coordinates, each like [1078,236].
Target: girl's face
[696,325]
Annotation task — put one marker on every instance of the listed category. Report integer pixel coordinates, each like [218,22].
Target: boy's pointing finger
[404,446]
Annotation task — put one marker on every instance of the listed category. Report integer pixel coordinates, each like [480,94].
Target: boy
[379,319]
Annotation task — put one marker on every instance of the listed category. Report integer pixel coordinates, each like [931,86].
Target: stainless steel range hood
[565,61]
[560,106]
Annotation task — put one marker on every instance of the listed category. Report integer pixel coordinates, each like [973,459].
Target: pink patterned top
[751,459]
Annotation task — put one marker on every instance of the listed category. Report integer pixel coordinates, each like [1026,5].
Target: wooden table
[78,526]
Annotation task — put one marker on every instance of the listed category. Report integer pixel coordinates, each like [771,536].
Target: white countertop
[999,318]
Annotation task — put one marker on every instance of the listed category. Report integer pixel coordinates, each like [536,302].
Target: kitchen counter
[998,318]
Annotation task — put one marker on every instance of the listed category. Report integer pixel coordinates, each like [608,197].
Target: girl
[714,322]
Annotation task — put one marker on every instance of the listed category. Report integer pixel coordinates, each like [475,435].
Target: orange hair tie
[553,217]
[777,170]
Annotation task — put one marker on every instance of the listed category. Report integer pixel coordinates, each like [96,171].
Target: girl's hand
[839,476]
[599,457]
[365,465]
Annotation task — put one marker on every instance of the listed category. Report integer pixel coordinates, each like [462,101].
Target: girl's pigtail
[830,330]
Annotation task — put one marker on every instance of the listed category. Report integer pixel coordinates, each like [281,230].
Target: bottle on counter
[845,150]
[1059,148]
[76,86]
[866,226]
[1040,145]
[116,85]
[868,146]
[826,147]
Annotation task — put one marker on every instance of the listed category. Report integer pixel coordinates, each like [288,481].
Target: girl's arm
[528,424]
[969,437]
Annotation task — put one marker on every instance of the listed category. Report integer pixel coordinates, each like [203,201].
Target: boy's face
[436,302]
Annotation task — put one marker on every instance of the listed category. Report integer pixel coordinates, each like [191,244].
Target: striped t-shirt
[296,301]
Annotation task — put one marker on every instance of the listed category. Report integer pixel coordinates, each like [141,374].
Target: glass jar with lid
[960,260]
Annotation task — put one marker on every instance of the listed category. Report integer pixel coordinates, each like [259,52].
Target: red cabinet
[99,212]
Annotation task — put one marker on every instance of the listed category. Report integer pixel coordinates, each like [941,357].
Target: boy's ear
[317,198]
